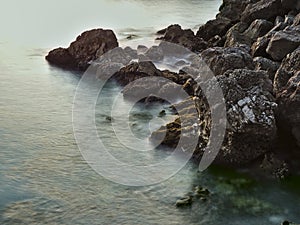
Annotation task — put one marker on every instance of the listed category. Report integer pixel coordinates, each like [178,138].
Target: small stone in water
[185,201]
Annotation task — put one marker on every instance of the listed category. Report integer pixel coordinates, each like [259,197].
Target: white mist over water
[57,23]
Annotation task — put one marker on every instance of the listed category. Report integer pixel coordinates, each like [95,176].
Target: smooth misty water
[44,179]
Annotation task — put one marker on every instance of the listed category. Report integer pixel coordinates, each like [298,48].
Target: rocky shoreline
[253,49]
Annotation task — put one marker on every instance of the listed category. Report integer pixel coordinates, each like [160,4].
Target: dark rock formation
[242,34]
[222,59]
[289,107]
[251,126]
[232,9]
[87,47]
[136,71]
[235,36]
[284,42]
[214,27]
[186,38]
[289,67]
[287,89]
[258,28]
[264,9]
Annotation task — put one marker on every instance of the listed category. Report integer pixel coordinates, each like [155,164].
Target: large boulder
[284,42]
[186,38]
[232,9]
[258,28]
[235,35]
[136,71]
[87,47]
[289,66]
[251,128]
[264,9]
[289,107]
[220,59]
[287,89]
[218,26]
[241,33]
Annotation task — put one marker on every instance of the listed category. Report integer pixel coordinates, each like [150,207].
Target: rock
[264,9]
[61,57]
[214,27]
[289,20]
[216,41]
[232,9]
[185,201]
[186,38]
[290,4]
[87,47]
[284,42]
[250,108]
[141,49]
[235,35]
[250,114]
[220,59]
[267,65]
[287,89]
[297,20]
[279,19]
[201,192]
[155,53]
[258,28]
[274,166]
[131,52]
[162,113]
[242,34]
[136,71]
[260,46]
[288,68]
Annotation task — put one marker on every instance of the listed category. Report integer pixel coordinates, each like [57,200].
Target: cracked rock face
[250,108]
[220,59]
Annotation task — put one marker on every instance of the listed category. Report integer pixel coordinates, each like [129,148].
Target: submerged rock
[185,201]
[87,47]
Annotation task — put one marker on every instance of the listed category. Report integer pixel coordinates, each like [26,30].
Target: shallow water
[45,180]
